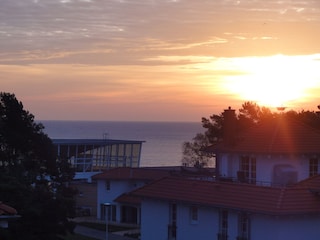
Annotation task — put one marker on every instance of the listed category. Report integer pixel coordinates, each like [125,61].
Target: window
[248,169]
[193,214]
[243,226]
[108,185]
[313,167]
[223,225]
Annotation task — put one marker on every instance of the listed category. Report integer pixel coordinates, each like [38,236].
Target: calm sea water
[163,146]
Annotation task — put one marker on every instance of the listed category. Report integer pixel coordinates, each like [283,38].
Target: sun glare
[274,81]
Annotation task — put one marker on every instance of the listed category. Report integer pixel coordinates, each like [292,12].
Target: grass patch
[102,227]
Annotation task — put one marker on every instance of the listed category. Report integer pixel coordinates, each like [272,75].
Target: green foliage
[32,179]
[193,154]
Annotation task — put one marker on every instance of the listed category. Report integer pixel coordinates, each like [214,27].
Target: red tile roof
[245,197]
[126,173]
[278,136]
[7,210]
[128,198]
[312,182]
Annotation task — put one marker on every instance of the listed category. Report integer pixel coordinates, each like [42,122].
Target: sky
[158,60]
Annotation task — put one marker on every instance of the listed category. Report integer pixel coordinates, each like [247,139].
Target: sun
[273,81]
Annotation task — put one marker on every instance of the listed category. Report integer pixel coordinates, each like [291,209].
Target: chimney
[229,126]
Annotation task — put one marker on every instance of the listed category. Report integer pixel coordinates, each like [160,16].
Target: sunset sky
[158,60]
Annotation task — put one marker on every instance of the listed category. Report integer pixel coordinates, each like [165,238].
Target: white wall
[117,187]
[206,227]
[224,168]
[154,220]
[229,166]
[280,228]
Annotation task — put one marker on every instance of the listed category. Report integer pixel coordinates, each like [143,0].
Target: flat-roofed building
[91,156]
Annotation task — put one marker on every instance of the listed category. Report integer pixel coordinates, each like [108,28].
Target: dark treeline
[249,115]
[32,179]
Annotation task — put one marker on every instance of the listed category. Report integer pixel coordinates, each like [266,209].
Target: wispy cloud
[122,52]
[59,28]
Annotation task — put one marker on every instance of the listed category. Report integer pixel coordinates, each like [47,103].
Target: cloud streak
[58,27]
[147,52]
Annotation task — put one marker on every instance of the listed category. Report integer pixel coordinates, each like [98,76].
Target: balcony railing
[258,183]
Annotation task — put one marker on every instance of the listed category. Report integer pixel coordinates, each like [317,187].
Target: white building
[267,187]
[91,156]
[116,183]
[277,152]
[181,208]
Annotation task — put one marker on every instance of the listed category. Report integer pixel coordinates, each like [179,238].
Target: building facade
[266,186]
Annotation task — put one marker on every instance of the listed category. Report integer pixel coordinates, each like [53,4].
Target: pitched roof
[7,210]
[128,198]
[244,197]
[126,173]
[278,136]
[311,182]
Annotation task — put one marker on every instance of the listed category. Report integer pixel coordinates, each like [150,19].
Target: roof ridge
[6,209]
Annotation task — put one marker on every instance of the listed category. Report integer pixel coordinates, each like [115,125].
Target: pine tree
[32,179]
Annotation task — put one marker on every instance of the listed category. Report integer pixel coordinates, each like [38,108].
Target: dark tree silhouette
[32,179]
[249,115]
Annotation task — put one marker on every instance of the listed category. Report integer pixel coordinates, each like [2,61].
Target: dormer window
[313,166]
[247,170]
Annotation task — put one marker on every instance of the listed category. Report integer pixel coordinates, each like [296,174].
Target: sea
[163,140]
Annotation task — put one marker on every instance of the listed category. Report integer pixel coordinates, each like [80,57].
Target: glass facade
[95,155]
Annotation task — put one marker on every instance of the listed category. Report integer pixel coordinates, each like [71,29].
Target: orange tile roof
[128,198]
[312,182]
[278,136]
[243,197]
[7,210]
[125,173]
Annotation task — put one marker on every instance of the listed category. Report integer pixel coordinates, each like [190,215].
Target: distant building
[92,156]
